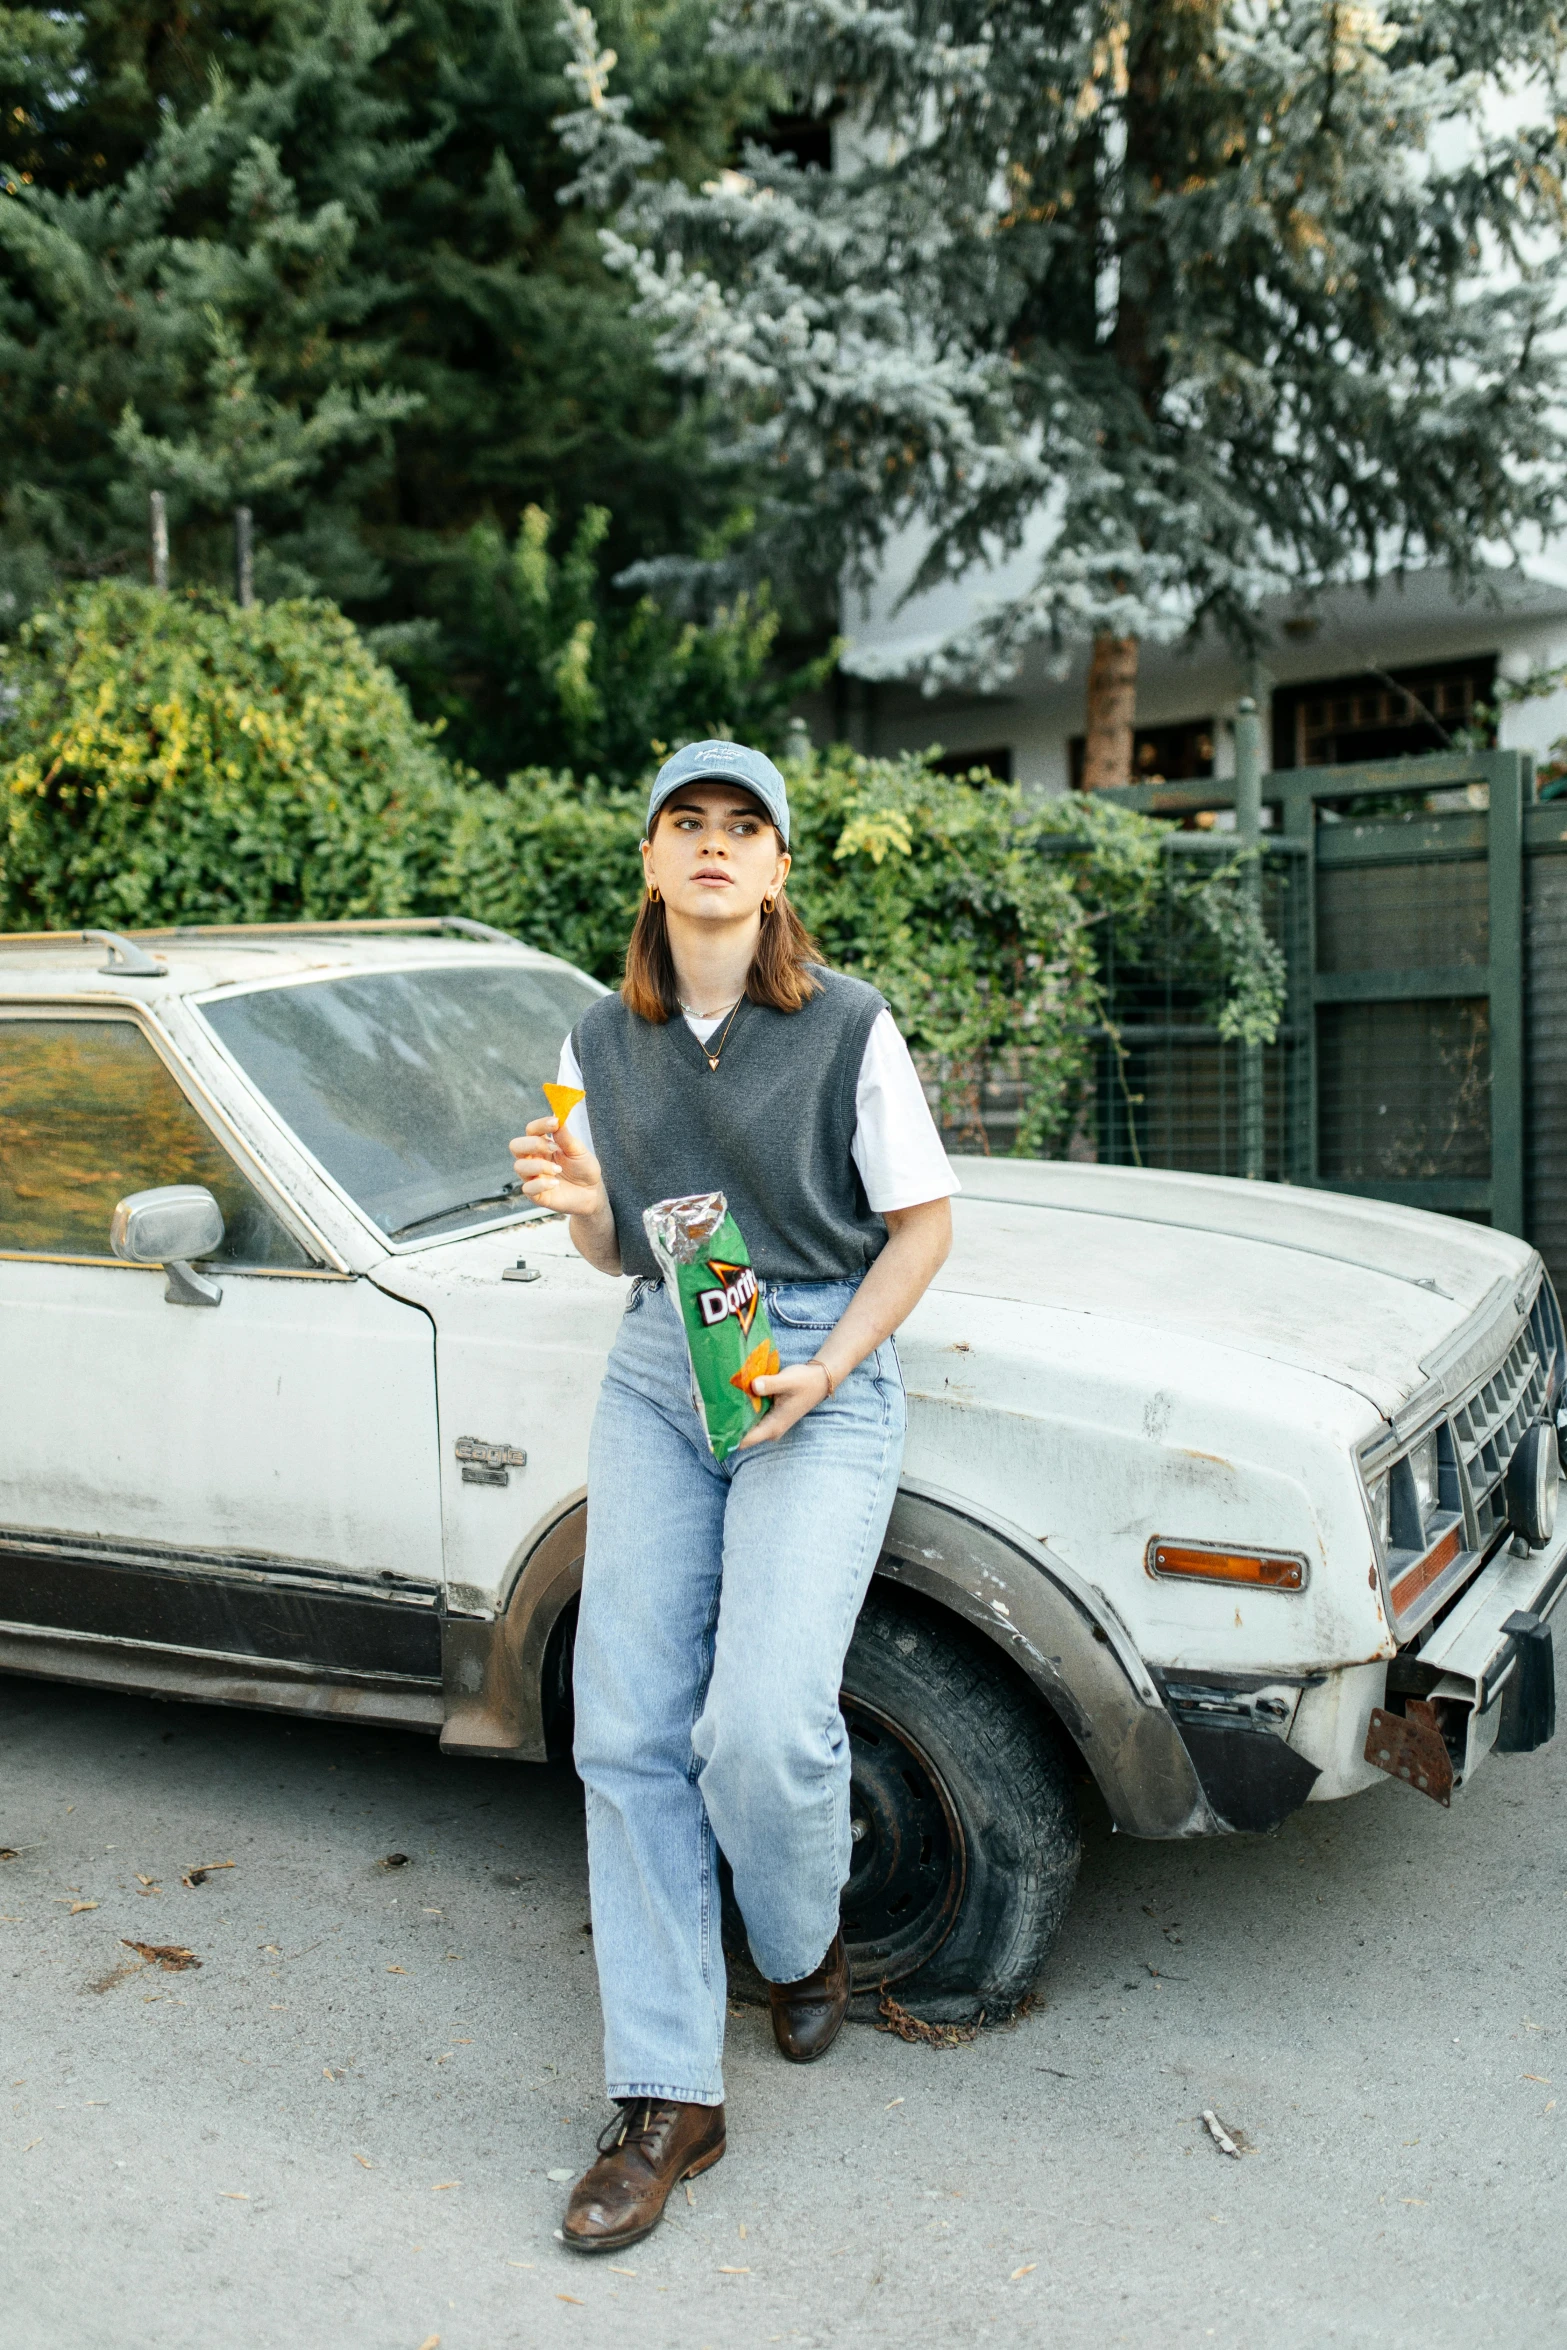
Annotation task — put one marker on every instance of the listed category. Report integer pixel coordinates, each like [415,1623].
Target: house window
[1160,754]
[1342,721]
[961,764]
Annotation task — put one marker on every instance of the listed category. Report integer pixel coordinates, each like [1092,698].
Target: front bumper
[1486,1672]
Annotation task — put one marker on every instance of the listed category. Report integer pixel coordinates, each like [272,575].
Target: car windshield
[408,1085]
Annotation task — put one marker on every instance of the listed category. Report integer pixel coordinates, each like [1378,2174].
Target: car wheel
[965,1820]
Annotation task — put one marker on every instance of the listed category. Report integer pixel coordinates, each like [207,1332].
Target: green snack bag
[729,1339]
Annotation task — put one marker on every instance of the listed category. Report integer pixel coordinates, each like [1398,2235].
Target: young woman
[718,1599]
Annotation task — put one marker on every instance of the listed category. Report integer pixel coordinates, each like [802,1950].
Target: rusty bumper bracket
[1409,1746]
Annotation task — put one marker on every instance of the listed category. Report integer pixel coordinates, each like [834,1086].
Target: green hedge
[171,758]
[971,907]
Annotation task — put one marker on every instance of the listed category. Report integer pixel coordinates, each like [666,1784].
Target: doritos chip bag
[707,1269]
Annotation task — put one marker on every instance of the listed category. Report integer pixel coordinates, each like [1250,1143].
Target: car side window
[88,1112]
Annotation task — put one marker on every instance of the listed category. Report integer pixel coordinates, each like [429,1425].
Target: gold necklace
[712,1058]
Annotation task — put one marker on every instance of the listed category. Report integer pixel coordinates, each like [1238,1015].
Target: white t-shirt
[896,1147]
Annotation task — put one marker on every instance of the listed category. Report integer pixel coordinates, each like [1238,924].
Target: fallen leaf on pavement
[572,2298]
[616,2272]
[364,2162]
[393,1860]
[229,2196]
[734,2272]
[1540,2077]
[896,2018]
[9,1852]
[620,2272]
[1414,2199]
[173,1957]
[441,2185]
[431,2342]
[1219,2134]
[78,1906]
[1026,2270]
[397,1970]
[31,2143]
[198,1876]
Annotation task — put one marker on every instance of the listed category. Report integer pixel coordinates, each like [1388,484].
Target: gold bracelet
[832,1383]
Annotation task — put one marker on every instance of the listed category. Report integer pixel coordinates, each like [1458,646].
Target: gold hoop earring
[769,903]
[652,893]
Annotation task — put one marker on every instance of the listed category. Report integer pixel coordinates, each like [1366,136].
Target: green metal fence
[1168,1091]
[1421,909]
[1421,906]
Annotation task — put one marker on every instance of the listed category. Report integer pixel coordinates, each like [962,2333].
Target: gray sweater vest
[770,1127]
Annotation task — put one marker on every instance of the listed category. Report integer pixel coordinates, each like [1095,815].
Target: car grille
[1489,1423]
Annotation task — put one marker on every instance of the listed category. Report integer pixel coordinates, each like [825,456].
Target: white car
[1232,1497]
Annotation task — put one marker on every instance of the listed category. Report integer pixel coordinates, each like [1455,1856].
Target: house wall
[1521,619]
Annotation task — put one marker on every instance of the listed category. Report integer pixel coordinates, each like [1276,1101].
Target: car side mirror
[168,1227]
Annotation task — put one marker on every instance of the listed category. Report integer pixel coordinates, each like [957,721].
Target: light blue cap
[716,762]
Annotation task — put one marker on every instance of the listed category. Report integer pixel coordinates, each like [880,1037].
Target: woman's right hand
[556,1172]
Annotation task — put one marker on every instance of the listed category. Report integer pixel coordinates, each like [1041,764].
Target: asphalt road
[339,2133]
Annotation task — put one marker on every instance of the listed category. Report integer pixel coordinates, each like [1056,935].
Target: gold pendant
[712,1060]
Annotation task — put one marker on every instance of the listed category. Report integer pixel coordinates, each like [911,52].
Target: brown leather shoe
[808,2015]
[648,2149]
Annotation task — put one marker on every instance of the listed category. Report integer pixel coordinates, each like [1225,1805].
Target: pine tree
[1216,298]
[187,305]
[308,255]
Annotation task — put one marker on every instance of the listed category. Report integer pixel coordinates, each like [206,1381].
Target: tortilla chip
[761,1363]
[563,1099]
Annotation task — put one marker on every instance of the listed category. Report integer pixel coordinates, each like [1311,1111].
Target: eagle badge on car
[488,1464]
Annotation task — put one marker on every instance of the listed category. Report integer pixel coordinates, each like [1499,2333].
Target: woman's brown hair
[780,975]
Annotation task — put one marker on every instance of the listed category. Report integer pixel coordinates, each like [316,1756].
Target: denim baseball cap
[715,762]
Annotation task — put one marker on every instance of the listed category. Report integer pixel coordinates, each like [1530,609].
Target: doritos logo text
[736,1295]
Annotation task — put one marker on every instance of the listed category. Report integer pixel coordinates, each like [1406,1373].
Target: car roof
[198,957]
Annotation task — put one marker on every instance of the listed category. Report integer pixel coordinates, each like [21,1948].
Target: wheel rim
[909,1862]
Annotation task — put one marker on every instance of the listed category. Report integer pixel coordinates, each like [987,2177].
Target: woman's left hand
[794,1392]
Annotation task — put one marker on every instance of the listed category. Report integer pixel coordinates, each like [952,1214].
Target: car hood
[1379,1298]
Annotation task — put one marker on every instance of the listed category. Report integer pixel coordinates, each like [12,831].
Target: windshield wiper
[490,1199]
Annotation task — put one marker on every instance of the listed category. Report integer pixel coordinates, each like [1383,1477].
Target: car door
[257,1482]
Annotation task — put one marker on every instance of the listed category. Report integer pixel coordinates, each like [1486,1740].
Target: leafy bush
[972,908]
[551,860]
[175,759]
[975,910]
[172,758]
[533,658]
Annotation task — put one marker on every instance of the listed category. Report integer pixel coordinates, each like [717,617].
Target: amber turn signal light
[1268,1570]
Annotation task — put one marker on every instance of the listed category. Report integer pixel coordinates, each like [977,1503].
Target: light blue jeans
[717,1604]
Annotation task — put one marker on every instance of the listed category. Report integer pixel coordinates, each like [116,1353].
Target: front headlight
[1425,1470]
[1377,1494]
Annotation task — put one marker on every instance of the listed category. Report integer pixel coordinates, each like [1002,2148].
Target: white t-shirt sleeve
[896,1146]
[569,1074]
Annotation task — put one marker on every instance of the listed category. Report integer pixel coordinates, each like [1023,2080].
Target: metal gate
[1421,906]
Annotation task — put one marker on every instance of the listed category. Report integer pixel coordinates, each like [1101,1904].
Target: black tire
[966,1840]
